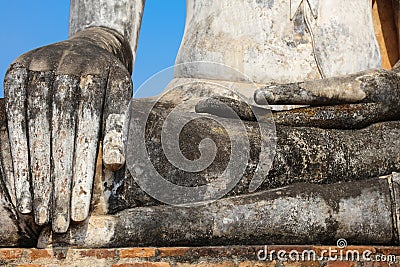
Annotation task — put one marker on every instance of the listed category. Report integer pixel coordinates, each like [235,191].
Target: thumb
[116,118]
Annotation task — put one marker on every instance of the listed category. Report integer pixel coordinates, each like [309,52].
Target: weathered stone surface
[303,154]
[370,86]
[124,16]
[89,116]
[15,85]
[278,41]
[360,212]
[116,119]
[371,96]
[56,99]
[63,140]
[307,42]
[39,92]
[15,229]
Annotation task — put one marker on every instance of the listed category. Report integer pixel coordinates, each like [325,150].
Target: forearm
[123,16]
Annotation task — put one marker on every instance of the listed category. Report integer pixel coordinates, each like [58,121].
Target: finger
[39,136]
[5,155]
[63,144]
[118,95]
[345,117]
[331,91]
[91,90]
[15,90]
[223,106]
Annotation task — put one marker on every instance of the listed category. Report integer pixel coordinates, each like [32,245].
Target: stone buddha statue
[311,68]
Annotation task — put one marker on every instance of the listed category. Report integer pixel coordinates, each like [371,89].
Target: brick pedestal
[238,256]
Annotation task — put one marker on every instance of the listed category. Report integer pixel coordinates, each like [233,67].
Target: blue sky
[26,25]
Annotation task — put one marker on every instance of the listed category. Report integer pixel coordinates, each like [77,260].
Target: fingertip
[263,97]
[25,205]
[60,223]
[79,211]
[113,159]
[41,215]
[113,142]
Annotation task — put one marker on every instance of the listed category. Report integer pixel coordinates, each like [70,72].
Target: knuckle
[23,60]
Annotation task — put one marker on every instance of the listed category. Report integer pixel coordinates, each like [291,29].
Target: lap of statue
[317,169]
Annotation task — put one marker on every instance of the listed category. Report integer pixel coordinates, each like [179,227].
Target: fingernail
[201,106]
[25,205]
[113,159]
[60,223]
[41,216]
